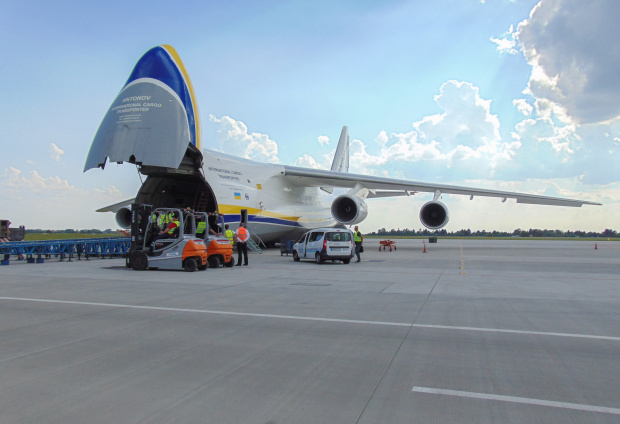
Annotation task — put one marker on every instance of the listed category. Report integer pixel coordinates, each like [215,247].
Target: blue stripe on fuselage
[157,64]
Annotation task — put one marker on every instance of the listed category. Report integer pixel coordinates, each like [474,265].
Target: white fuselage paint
[276,205]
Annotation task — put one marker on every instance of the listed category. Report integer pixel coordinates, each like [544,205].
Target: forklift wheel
[230,263]
[190,265]
[139,261]
[214,262]
[202,267]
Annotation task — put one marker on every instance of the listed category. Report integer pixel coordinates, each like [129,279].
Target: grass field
[68,236]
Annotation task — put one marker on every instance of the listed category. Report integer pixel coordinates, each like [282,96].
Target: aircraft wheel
[295,256]
[317,258]
[214,262]
[190,265]
[230,263]
[139,261]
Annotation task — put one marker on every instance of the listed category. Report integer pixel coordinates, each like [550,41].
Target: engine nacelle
[123,217]
[434,215]
[347,209]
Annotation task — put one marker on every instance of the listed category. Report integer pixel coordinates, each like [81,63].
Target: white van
[325,244]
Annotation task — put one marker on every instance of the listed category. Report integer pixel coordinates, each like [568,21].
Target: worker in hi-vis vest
[168,232]
[358,238]
[241,236]
[230,235]
[201,228]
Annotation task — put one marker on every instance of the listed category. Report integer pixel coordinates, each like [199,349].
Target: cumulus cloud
[524,107]
[323,140]
[307,161]
[572,48]
[234,138]
[507,43]
[28,195]
[56,152]
[466,134]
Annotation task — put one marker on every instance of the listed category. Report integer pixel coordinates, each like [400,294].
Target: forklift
[152,248]
[219,249]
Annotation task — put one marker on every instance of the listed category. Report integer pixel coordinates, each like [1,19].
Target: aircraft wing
[116,206]
[378,185]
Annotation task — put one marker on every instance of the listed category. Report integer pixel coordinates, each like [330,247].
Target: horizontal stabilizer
[115,207]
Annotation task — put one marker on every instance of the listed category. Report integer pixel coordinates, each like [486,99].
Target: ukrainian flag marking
[238,196]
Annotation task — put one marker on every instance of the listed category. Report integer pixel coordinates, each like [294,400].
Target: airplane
[153,123]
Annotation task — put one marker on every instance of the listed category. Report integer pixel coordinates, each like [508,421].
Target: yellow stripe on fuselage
[172,52]
[235,209]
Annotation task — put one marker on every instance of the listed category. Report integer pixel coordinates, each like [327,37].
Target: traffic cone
[595,246]
[424,251]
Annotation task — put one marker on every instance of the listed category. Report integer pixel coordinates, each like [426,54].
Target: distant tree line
[482,233]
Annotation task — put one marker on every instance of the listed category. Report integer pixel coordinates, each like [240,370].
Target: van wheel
[317,258]
[346,261]
[295,256]
[214,262]
[190,265]
[139,260]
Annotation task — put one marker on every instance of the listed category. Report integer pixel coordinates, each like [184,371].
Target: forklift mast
[139,221]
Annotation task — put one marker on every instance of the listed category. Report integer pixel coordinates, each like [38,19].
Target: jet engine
[434,215]
[348,209]
[123,217]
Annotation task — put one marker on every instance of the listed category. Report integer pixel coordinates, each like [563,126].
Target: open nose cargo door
[153,120]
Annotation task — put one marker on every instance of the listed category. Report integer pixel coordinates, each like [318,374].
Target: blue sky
[513,95]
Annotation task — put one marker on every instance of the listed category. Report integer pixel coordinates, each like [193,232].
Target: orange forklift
[219,249]
[153,247]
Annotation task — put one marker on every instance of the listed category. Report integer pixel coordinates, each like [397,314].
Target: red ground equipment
[387,244]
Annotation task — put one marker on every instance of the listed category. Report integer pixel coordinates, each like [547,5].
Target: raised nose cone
[154,117]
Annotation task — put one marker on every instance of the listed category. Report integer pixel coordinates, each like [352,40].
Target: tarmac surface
[472,331]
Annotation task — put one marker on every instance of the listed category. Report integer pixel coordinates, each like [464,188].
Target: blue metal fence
[64,249]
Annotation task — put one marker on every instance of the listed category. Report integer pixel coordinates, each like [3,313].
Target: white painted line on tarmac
[302,318]
[514,399]
[532,333]
[206,311]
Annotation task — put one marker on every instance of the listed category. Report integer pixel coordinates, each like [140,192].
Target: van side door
[315,243]
[301,246]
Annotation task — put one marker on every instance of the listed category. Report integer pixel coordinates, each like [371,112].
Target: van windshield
[338,236]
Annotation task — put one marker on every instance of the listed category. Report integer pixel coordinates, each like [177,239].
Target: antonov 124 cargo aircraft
[153,123]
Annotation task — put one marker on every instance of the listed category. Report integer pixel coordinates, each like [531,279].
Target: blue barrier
[45,249]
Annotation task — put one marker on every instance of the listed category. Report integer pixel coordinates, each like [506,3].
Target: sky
[514,95]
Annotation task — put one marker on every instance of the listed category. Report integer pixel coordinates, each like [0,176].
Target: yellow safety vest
[230,235]
[357,236]
[201,227]
[170,231]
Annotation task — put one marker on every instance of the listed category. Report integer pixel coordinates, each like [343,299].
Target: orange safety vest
[242,235]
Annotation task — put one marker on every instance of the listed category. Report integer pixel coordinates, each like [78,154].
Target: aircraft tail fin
[341,158]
